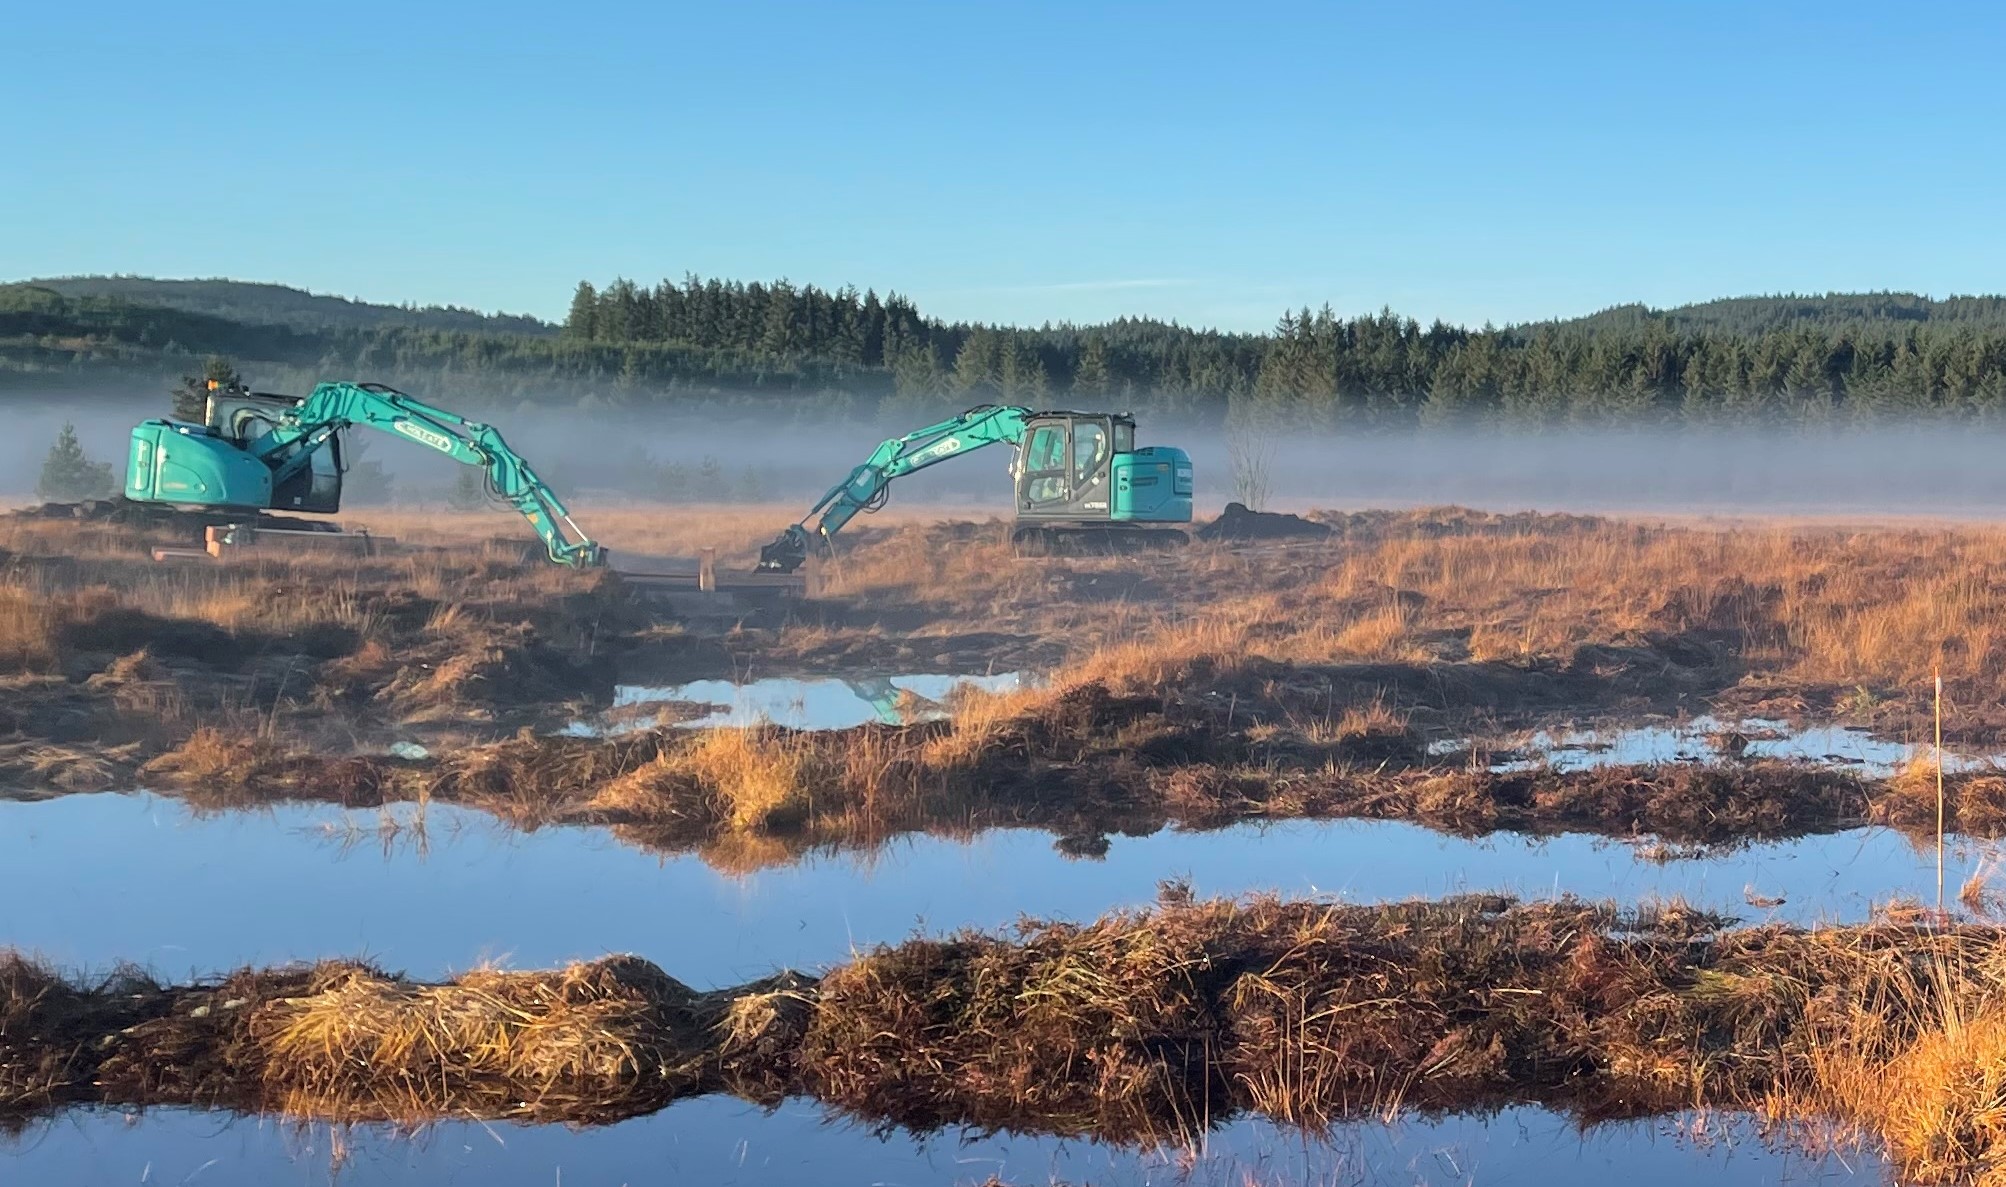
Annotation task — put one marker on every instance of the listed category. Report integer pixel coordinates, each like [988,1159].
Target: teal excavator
[1079,477]
[261,452]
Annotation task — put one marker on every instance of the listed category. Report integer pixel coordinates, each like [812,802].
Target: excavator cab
[1083,467]
[242,417]
[1062,468]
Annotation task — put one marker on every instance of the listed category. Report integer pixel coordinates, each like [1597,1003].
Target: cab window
[1048,449]
[1045,464]
[1089,451]
[1124,437]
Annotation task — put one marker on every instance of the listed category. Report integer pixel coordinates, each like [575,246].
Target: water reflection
[799,703]
[92,879]
[725,1142]
[1708,739]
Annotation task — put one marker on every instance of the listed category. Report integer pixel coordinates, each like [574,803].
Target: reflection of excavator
[1078,475]
[261,452]
[886,699]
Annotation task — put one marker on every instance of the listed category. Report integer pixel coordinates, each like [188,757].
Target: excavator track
[1095,539]
[191,523]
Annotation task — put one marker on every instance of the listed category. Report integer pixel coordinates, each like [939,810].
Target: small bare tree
[1250,451]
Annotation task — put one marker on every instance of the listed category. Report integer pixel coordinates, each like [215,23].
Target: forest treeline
[1789,357]
[819,351]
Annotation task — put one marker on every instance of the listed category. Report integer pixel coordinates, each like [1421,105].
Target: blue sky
[1019,162]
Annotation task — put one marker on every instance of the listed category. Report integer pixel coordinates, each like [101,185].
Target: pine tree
[68,473]
[191,399]
[631,370]
[976,363]
[916,374]
[779,315]
[582,322]
[1090,378]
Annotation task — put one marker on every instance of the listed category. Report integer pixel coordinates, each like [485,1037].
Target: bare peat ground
[1216,683]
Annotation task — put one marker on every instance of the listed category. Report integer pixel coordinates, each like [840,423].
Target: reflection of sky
[92,879]
[733,1144]
[1856,750]
[813,703]
[96,878]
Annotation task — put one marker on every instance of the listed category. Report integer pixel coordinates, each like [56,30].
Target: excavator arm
[869,485]
[332,407]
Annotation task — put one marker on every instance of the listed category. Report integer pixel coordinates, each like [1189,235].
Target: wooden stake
[1939,791]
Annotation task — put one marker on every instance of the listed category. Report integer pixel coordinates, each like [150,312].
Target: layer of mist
[659,453]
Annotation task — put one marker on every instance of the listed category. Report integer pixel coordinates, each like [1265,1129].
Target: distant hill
[253,303]
[1757,315]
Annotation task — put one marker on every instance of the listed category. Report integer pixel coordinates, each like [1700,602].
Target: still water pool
[92,879]
[725,1142]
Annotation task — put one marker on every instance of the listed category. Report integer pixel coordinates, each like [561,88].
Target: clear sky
[1017,162]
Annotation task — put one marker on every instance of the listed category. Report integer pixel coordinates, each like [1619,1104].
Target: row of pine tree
[1739,361]
[784,349]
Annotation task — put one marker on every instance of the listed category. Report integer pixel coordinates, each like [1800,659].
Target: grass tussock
[592,1041]
[1974,802]
[756,779]
[340,1040]
[1918,1064]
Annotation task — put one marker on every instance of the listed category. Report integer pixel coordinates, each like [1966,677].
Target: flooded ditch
[184,893]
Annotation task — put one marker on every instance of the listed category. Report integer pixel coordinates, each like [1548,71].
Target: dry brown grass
[1077,760]
[1974,801]
[1149,1026]
[1784,617]
[1795,620]
[1839,607]
[1940,1104]
[1146,1026]
[586,1039]
[1916,1064]
[756,779]
[313,645]
[27,633]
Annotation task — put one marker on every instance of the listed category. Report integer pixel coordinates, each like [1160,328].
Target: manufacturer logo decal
[424,436]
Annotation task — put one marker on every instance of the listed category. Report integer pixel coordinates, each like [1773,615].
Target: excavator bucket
[695,583]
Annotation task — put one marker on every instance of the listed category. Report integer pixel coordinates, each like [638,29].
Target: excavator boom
[869,484]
